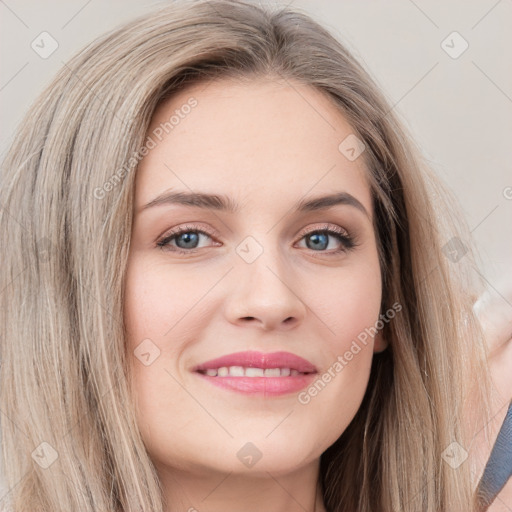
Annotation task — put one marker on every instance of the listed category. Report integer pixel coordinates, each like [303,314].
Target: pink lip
[266,386]
[253,359]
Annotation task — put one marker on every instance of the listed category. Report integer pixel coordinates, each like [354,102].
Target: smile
[240,371]
[257,373]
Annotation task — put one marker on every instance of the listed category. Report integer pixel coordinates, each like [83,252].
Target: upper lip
[254,359]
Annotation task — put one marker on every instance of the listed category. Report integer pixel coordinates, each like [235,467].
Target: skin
[267,145]
[495,315]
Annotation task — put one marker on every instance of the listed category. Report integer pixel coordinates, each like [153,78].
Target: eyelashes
[346,241]
[317,237]
[165,243]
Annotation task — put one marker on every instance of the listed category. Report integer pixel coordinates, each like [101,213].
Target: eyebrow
[224,203]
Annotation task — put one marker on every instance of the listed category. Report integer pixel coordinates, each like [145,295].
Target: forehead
[237,138]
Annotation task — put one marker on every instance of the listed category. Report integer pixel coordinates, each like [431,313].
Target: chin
[257,457]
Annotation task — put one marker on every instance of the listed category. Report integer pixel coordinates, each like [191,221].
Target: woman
[202,198]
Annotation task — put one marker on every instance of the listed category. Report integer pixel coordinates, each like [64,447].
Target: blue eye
[319,240]
[186,240]
[190,239]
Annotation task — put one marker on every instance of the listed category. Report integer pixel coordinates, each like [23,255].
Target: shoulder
[494,311]
[495,314]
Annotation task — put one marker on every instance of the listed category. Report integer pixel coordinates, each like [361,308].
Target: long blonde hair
[69,436]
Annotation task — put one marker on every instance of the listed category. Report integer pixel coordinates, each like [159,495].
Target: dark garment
[499,466]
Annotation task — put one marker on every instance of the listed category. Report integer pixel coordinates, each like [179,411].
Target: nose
[265,295]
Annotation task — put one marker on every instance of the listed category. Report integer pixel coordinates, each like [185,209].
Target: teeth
[254,372]
[236,371]
[240,371]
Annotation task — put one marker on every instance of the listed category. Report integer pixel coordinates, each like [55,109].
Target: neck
[208,491]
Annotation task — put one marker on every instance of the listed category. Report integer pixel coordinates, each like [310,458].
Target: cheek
[159,300]
[156,300]
[348,305]
[350,310]
[162,303]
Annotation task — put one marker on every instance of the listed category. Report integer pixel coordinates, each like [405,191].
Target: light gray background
[460,110]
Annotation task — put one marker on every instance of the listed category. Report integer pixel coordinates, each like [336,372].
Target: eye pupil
[190,239]
[319,240]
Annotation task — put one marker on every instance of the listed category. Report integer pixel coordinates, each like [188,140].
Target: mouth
[241,371]
[267,374]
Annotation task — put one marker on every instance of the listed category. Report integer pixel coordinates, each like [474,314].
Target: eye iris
[319,240]
[190,239]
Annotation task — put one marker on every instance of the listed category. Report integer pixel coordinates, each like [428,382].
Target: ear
[380,343]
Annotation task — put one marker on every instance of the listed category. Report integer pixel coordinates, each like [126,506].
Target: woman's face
[253,270]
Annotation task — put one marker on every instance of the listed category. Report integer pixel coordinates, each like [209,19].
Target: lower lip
[266,386]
